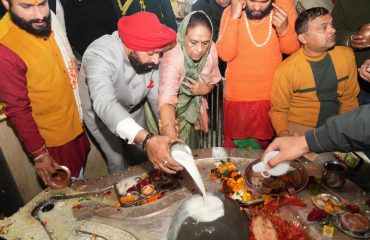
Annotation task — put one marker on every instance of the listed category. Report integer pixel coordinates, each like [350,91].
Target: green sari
[188,106]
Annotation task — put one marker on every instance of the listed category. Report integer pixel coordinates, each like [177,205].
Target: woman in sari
[188,72]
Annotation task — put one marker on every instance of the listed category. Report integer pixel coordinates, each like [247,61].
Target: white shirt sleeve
[128,129]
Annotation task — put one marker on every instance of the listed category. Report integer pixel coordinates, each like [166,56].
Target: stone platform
[87,210]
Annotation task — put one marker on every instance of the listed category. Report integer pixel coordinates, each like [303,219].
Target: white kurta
[111,91]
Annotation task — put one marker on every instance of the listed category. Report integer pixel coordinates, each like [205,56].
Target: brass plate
[294,181]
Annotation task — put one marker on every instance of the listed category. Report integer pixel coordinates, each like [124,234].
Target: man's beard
[261,14]
[139,67]
[27,26]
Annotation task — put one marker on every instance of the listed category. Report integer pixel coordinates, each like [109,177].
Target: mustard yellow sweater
[49,90]
[308,90]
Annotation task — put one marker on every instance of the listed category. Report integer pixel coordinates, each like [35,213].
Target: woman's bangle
[146,140]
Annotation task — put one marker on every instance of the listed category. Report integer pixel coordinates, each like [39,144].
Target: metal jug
[334,174]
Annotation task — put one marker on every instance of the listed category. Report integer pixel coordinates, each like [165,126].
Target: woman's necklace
[251,36]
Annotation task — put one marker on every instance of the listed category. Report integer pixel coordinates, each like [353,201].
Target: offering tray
[294,181]
[328,203]
[358,235]
[145,188]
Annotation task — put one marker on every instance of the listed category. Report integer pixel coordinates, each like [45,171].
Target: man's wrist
[129,129]
[146,140]
[40,156]
[40,153]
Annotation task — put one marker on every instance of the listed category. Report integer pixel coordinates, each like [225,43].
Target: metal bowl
[359,235]
[61,178]
[295,180]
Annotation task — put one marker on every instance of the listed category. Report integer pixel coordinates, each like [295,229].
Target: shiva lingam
[232,226]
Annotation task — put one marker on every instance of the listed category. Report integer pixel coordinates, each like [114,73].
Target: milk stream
[211,208]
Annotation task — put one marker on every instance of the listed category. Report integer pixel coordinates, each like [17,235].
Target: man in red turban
[119,82]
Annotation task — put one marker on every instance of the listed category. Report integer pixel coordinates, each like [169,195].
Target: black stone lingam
[234,225]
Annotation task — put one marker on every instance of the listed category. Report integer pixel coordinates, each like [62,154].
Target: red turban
[143,32]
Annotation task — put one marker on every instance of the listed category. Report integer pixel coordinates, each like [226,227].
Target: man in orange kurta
[254,34]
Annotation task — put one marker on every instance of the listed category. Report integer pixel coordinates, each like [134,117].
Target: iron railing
[214,137]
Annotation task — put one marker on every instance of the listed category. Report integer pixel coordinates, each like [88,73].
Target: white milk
[195,208]
[187,161]
[212,207]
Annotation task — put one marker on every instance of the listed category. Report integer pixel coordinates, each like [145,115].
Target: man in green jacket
[348,132]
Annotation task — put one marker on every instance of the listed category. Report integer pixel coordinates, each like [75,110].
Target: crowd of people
[136,81]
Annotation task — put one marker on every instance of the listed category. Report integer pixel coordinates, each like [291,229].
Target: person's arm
[348,132]
[168,123]
[365,70]
[290,149]
[344,35]
[157,148]
[282,93]
[14,93]
[171,72]
[227,42]
[168,14]
[288,39]
[348,100]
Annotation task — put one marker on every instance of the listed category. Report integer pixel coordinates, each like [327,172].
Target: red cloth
[18,109]
[143,32]
[247,120]
[72,154]
[15,94]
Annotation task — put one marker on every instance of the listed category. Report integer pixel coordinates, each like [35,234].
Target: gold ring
[165,163]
